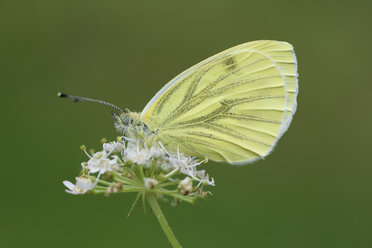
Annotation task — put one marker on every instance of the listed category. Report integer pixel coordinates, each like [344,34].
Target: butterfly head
[126,119]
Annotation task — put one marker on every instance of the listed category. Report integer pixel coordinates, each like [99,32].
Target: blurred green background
[314,190]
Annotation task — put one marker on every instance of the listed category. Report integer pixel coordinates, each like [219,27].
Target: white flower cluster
[123,158]
[166,161]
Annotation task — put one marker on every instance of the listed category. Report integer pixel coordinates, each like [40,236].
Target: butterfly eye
[125,119]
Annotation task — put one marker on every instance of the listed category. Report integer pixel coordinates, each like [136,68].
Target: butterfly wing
[232,107]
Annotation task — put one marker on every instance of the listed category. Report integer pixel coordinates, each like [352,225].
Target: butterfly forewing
[232,107]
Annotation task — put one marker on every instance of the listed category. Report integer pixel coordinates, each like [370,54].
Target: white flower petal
[69,184]
[113,147]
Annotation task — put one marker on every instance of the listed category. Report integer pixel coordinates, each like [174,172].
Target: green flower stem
[103,182]
[170,183]
[141,173]
[98,191]
[170,174]
[124,179]
[162,221]
[117,179]
[100,187]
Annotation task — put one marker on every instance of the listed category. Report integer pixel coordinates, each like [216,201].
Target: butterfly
[232,107]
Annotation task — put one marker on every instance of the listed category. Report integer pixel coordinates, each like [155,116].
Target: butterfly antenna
[114,116]
[85,99]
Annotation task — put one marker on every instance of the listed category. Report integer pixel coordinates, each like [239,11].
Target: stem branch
[162,221]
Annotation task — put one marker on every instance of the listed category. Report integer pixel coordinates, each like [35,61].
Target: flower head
[113,147]
[204,178]
[82,185]
[100,163]
[136,155]
[140,163]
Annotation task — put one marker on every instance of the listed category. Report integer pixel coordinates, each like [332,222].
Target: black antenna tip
[62,94]
[74,98]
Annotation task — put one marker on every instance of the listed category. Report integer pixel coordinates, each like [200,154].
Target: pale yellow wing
[231,107]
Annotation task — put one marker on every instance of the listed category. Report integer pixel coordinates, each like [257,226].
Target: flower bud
[185,186]
[150,183]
